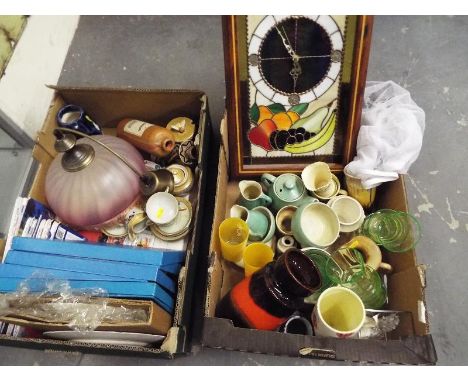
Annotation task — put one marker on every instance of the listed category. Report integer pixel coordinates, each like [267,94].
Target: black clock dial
[309,41]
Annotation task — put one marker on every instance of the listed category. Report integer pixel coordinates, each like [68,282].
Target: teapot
[285,190]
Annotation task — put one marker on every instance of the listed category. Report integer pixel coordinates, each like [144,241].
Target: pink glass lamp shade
[87,185]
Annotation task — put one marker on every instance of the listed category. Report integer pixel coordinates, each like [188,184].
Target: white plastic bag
[391,134]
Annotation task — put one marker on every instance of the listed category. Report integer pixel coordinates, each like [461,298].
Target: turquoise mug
[257,221]
[252,195]
[286,189]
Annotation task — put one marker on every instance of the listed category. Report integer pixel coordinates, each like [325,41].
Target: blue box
[137,272]
[99,251]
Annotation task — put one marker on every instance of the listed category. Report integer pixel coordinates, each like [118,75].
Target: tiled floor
[427,55]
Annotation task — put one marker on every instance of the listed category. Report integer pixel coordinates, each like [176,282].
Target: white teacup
[349,211]
[162,208]
[333,189]
[317,177]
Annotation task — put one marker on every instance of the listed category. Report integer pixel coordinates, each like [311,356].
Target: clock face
[295,59]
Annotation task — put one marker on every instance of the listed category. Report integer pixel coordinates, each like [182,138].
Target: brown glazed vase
[267,298]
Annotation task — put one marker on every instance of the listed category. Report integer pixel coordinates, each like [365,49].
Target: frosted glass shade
[100,192]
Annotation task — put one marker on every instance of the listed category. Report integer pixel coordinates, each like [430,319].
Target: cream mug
[339,313]
[317,176]
[332,190]
[349,211]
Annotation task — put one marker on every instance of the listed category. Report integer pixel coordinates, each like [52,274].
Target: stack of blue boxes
[123,272]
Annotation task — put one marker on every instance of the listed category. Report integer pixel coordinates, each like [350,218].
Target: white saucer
[354,227]
[103,337]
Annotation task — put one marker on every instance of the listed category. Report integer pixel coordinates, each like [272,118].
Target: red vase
[267,298]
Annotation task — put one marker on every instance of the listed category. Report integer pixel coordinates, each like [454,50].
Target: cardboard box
[158,320]
[107,107]
[410,343]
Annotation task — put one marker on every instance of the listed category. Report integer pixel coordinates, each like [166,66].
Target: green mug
[286,189]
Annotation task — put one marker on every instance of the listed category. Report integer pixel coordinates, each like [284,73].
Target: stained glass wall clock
[294,90]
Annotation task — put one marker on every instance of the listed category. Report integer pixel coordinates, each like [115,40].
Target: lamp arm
[129,165]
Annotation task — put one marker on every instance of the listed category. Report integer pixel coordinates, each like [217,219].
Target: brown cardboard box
[411,343]
[107,107]
[158,320]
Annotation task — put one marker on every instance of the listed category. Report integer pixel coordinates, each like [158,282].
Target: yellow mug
[256,256]
[233,235]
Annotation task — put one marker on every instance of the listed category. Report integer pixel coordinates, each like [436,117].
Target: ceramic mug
[286,189]
[315,225]
[251,195]
[258,223]
[339,313]
[349,211]
[332,190]
[317,176]
[369,250]
[284,219]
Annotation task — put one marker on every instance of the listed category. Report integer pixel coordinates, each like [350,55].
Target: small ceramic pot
[183,128]
[183,178]
[285,243]
[284,219]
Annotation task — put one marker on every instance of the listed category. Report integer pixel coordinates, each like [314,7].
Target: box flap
[221,334]
[107,106]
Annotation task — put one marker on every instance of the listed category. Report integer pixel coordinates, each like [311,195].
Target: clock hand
[286,45]
[295,71]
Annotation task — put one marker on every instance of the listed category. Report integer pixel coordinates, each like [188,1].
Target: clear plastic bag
[391,134]
[81,310]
